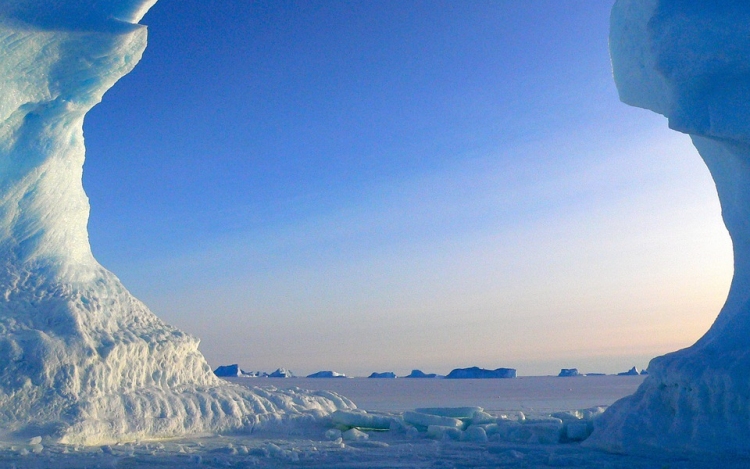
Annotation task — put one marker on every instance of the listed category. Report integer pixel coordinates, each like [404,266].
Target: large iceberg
[690,61]
[83,361]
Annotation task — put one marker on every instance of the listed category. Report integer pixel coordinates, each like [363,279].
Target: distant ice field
[530,394]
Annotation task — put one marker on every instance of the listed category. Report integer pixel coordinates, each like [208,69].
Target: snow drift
[690,61]
[83,361]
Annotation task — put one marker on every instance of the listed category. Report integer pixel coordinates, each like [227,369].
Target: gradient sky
[382,186]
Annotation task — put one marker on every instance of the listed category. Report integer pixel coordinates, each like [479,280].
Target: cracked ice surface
[83,360]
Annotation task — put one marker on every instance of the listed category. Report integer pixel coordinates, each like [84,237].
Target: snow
[361,419]
[486,439]
[84,362]
[690,61]
[91,377]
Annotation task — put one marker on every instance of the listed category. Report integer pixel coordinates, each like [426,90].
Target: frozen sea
[530,394]
[308,445]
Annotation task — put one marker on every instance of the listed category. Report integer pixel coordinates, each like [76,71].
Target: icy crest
[690,61]
[83,361]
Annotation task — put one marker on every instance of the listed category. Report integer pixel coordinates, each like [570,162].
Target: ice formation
[480,373]
[83,361]
[689,60]
[327,374]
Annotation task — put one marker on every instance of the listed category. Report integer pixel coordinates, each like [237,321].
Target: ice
[281,373]
[690,61]
[538,440]
[631,372]
[441,432]
[421,374]
[361,419]
[474,433]
[228,370]
[385,374]
[567,372]
[480,373]
[327,374]
[83,360]
[420,419]
[354,435]
[454,412]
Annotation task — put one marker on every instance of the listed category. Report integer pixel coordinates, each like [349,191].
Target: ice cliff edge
[83,361]
[689,60]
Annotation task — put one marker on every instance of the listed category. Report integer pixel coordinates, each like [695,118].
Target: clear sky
[382,186]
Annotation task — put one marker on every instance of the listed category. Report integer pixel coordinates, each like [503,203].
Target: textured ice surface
[83,361]
[690,61]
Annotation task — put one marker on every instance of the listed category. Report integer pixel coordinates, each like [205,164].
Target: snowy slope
[83,360]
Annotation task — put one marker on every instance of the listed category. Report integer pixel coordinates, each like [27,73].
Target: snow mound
[83,360]
[690,61]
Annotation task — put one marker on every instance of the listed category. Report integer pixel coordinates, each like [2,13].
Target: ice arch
[690,61]
[82,360]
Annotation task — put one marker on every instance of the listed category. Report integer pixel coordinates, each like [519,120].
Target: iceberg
[568,372]
[327,374]
[229,371]
[84,361]
[690,61]
[383,375]
[421,374]
[281,373]
[631,372]
[480,373]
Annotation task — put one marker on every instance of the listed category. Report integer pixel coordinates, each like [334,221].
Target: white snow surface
[485,438]
[689,60]
[83,361]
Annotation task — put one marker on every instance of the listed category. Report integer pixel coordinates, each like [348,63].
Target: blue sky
[372,186]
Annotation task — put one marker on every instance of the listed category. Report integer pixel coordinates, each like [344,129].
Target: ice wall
[82,360]
[690,61]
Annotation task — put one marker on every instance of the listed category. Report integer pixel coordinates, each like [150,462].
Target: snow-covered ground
[321,443]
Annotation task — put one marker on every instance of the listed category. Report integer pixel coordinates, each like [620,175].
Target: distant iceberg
[281,373]
[568,372]
[480,373]
[234,371]
[228,371]
[327,374]
[631,372]
[385,375]
[420,374]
